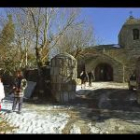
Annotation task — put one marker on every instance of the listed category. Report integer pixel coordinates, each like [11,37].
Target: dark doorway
[103,72]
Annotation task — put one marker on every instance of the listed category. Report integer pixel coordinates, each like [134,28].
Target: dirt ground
[104,108]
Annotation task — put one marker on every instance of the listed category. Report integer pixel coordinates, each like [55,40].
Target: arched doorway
[103,72]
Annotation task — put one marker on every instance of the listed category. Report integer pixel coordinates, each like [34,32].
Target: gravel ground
[105,108]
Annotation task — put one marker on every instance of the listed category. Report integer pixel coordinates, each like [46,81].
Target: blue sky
[107,22]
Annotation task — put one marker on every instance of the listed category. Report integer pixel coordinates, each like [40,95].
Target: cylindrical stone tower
[63,77]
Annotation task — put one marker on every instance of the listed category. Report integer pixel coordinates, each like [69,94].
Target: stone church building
[114,62]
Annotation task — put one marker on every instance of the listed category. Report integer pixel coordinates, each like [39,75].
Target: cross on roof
[131,14]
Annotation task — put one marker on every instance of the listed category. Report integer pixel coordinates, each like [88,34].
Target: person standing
[91,77]
[84,78]
[20,84]
[2,92]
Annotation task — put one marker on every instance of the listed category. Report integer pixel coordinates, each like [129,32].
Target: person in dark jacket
[91,78]
[84,78]
[20,84]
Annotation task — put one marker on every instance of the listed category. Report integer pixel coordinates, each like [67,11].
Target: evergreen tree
[8,33]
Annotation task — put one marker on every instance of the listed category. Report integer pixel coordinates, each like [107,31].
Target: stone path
[95,111]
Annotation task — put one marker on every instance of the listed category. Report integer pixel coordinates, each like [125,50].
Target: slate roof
[108,46]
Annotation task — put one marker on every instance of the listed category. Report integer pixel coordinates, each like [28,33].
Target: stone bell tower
[129,36]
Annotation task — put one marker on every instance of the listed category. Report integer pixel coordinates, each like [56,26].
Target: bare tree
[41,29]
[24,34]
[17,54]
[74,41]
[47,26]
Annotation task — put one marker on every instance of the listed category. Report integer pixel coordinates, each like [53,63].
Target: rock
[78,81]
[121,128]
[35,98]
[94,118]
[94,130]
[75,130]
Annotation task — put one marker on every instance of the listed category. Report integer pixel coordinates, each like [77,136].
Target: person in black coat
[84,78]
[91,78]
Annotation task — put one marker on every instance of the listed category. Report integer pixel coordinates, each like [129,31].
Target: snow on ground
[58,119]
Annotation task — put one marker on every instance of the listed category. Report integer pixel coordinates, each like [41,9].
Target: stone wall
[126,55]
[120,56]
[126,37]
[117,67]
[130,45]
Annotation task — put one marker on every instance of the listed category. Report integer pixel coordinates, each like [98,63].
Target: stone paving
[104,108]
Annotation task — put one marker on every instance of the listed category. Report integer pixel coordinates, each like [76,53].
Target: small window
[135,34]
